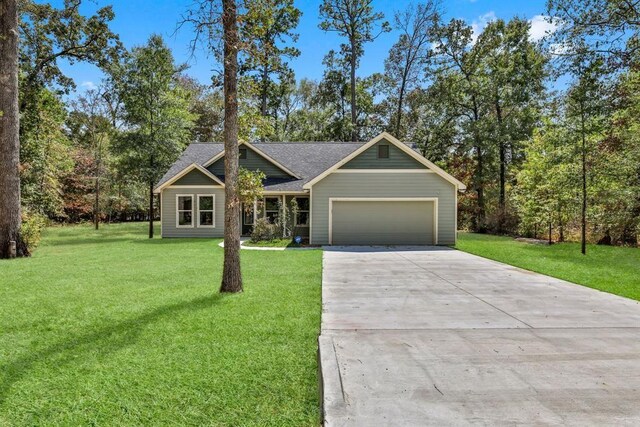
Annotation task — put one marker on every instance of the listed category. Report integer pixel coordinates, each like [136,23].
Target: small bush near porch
[110,328]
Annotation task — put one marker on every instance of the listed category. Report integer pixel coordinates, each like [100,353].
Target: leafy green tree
[157,115]
[408,57]
[610,28]
[45,152]
[268,24]
[92,132]
[546,193]
[356,21]
[514,73]
[459,75]
[584,116]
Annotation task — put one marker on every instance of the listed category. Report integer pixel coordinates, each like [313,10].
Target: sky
[136,20]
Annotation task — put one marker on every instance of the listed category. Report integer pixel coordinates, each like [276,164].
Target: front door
[247,219]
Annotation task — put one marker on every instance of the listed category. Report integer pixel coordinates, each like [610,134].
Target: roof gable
[255,157]
[184,172]
[253,161]
[397,159]
[385,136]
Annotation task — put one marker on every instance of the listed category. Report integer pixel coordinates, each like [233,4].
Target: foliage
[44,154]
[31,228]
[126,344]
[250,186]
[408,57]
[358,23]
[264,231]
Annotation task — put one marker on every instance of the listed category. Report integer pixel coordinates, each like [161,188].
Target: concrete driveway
[440,337]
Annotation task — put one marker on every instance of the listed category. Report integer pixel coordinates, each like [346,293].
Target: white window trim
[213,211]
[178,210]
[295,220]
[385,199]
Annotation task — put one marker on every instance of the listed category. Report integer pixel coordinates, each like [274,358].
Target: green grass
[111,328]
[276,243]
[607,268]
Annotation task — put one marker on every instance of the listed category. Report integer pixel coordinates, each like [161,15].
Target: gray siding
[195,177]
[168,203]
[397,159]
[253,161]
[383,185]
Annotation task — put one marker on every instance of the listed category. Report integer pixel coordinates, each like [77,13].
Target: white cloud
[89,85]
[480,23]
[540,27]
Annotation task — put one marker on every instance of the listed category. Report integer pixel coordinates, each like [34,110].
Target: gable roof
[402,146]
[307,162]
[261,153]
[185,171]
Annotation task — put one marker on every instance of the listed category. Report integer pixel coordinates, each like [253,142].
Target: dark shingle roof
[306,159]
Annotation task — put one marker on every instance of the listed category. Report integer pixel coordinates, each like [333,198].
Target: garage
[383,221]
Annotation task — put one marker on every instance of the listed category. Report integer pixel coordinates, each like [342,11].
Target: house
[381,192]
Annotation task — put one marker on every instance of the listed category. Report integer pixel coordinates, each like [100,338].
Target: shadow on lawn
[104,340]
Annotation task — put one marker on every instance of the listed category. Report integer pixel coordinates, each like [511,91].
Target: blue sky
[136,20]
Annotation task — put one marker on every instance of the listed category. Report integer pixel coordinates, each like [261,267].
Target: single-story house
[382,192]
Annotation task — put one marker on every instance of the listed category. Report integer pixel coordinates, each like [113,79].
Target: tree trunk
[503,168]
[354,113]
[231,273]
[399,111]
[583,242]
[264,91]
[10,214]
[151,209]
[96,206]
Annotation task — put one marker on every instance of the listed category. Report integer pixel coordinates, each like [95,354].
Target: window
[271,209]
[206,216]
[184,211]
[302,219]
[243,153]
[383,151]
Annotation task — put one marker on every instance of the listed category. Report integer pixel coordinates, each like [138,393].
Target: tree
[459,75]
[10,212]
[231,273]
[93,129]
[609,28]
[157,114]
[514,74]
[408,57]
[359,24]
[267,24]
[584,113]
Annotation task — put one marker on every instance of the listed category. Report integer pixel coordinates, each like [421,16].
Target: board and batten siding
[383,185]
[168,206]
[369,159]
[254,161]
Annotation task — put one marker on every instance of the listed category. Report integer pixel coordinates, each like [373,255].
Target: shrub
[31,229]
[263,230]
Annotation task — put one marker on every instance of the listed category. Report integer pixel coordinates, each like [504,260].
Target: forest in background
[539,158]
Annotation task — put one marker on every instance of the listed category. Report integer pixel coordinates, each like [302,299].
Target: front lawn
[111,328]
[608,268]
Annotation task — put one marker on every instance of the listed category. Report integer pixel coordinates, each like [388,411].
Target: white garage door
[383,222]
